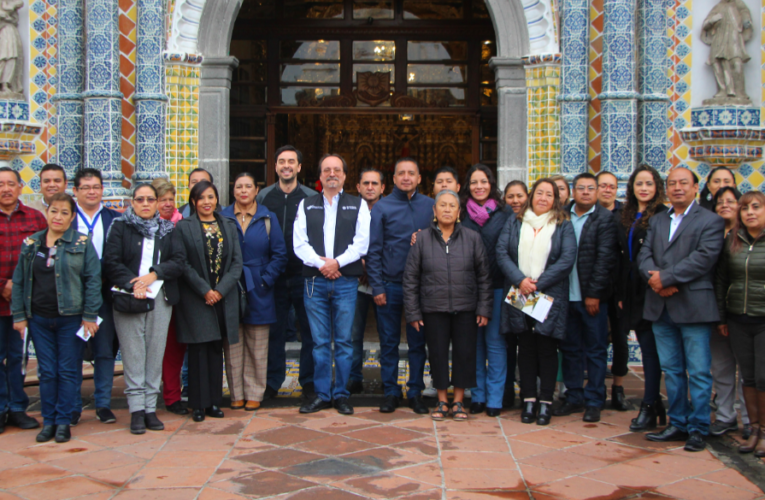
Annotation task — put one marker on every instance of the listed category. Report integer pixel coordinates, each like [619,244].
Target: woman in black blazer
[209,307]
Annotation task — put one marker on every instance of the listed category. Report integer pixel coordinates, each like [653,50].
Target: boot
[618,399]
[759,450]
[661,412]
[750,400]
[138,422]
[646,419]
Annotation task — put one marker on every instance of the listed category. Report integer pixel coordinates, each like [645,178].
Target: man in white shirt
[330,236]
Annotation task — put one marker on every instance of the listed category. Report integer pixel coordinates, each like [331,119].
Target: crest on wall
[373,87]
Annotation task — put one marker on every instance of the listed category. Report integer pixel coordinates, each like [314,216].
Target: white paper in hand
[86,335]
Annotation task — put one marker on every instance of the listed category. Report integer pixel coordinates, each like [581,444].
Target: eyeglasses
[89,188]
[611,187]
[51,254]
[144,199]
[729,203]
[586,188]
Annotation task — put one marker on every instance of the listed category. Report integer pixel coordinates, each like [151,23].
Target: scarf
[480,214]
[535,243]
[148,228]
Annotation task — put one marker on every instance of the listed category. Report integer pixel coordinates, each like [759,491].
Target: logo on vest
[314,207]
[350,207]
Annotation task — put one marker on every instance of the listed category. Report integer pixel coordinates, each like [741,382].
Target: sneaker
[185,394]
[430,392]
[718,428]
[105,415]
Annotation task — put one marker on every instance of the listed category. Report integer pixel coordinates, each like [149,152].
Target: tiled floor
[281,454]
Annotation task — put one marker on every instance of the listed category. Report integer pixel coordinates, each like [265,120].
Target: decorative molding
[184,29]
[541,26]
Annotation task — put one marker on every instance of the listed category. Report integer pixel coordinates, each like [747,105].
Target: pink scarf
[480,214]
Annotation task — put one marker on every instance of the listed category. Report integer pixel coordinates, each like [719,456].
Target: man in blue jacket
[394,219]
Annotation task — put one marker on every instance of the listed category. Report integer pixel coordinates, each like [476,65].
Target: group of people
[202,285]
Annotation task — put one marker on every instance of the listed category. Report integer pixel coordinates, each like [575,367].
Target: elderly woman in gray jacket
[447,291]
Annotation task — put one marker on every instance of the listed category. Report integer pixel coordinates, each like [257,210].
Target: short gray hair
[447,191]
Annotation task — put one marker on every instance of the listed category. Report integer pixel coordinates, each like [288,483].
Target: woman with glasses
[57,291]
[725,204]
[141,264]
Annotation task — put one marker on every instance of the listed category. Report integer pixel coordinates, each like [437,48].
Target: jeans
[651,366]
[330,305]
[682,348]
[585,347]
[103,351]
[185,369]
[389,327]
[491,347]
[59,354]
[12,395]
[289,292]
[363,301]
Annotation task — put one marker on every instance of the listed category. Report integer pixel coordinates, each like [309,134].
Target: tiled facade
[181,147]
[543,80]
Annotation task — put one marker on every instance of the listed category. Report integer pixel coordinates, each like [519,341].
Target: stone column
[149,97]
[214,105]
[70,70]
[653,122]
[103,99]
[574,96]
[618,98]
[511,134]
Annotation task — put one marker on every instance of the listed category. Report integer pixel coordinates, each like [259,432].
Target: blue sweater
[394,219]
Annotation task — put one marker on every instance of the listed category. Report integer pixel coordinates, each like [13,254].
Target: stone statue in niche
[11,51]
[726,29]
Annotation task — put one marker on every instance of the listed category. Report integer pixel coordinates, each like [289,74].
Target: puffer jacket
[553,281]
[447,277]
[740,278]
[490,235]
[597,257]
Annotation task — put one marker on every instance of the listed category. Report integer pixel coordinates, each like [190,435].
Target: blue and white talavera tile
[725,116]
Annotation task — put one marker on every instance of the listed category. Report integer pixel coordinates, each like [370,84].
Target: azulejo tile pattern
[543,82]
[181,135]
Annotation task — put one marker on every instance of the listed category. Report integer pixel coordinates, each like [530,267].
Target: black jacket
[447,278]
[597,255]
[490,235]
[285,206]
[121,259]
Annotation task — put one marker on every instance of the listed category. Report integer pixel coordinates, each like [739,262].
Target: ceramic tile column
[619,98]
[149,98]
[71,77]
[103,99]
[653,105]
[574,95]
[511,139]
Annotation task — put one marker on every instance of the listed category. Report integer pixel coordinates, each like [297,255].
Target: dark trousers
[512,361]
[103,364]
[748,343]
[12,395]
[585,347]
[537,358]
[363,302]
[459,329]
[651,365]
[205,374]
[619,341]
[172,363]
[288,292]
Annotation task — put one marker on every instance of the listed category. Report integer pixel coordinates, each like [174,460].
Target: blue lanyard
[85,220]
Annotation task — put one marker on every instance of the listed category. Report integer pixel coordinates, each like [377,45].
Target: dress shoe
[316,404]
[389,404]
[63,434]
[670,433]
[492,412]
[618,400]
[198,416]
[751,441]
[153,423]
[252,405]
[105,415]
[343,406]
[309,390]
[355,386]
[21,420]
[270,393]
[417,404]
[544,413]
[646,419]
[237,405]
[75,418]
[138,422]
[178,408]
[476,408]
[46,434]
[695,442]
[591,414]
[529,412]
[214,412]
[567,409]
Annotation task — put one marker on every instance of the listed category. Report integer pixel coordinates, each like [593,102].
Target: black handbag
[125,303]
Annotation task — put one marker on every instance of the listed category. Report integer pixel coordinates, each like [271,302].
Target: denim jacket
[78,277]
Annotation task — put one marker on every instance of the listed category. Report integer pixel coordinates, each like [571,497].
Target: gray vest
[345,229]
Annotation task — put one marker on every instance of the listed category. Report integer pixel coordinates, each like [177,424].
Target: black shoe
[591,414]
[63,434]
[492,412]
[75,418]
[508,398]
[46,434]
[417,404]
[718,428]
[214,412]
[21,420]
[105,415]
[567,409]
[646,419]
[198,416]
[153,423]
[2,423]
[138,422]
[661,412]
[670,433]
[529,412]
[476,408]
[178,408]
[343,406]
[316,404]
[695,442]
[544,414]
[308,390]
[389,404]
[618,400]
[270,393]
[355,386]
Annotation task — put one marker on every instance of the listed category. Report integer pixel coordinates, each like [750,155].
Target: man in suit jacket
[93,218]
[678,259]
